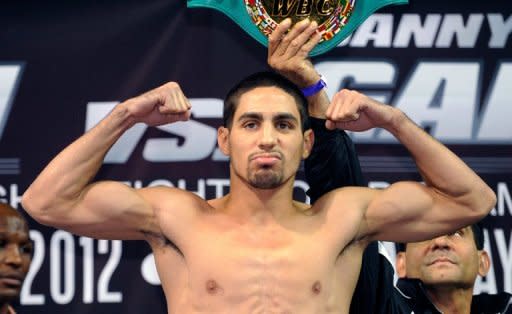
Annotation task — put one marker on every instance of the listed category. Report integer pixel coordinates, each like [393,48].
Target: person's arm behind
[333,162]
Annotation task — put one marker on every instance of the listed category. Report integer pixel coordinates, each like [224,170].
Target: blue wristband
[315,88]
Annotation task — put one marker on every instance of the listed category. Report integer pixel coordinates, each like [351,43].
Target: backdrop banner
[65,64]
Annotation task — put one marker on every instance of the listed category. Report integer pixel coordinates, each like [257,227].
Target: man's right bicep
[108,210]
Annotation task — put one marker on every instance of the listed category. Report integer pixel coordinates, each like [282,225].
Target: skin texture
[15,254]
[256,249]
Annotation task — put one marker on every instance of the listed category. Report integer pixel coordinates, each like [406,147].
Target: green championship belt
[336,19]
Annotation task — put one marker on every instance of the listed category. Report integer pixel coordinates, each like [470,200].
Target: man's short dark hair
[478,236]
[264,79]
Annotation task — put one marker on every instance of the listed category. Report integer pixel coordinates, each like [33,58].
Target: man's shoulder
[345,198]
[167,191]
[165,197]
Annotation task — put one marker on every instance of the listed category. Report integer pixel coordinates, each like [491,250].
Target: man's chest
[258,262]
[259,266]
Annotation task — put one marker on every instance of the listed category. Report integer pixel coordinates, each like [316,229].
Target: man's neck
[259,205]
[451,300]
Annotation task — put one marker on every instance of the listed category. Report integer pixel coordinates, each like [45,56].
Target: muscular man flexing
[256,250]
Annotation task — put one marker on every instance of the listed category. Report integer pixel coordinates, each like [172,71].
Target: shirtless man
[256,250]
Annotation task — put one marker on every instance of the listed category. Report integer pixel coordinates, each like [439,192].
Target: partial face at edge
[451,260]
[265,143]
[15,253]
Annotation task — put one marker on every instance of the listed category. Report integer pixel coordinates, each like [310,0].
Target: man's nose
[442,242]
[268,136]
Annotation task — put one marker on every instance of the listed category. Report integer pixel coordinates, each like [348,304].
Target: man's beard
[265,179]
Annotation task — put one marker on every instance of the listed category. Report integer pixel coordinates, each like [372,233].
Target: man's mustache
[273,153]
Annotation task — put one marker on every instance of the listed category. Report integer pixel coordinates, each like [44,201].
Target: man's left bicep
[403,212]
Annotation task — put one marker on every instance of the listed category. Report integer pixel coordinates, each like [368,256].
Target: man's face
[265,142]
[452,260]
[15,254]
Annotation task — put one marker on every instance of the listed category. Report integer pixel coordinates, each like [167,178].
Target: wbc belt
[336,19]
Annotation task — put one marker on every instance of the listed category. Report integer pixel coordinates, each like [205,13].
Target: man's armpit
[159,240]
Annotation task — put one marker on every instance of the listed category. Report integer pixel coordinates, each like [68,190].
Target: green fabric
[236,10]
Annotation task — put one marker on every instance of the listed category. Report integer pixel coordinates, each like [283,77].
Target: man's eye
[26,249]
[249,125]
[284,125]
[3,244]
[458,233]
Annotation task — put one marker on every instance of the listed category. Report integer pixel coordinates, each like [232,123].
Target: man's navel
[316,288]
[212,287]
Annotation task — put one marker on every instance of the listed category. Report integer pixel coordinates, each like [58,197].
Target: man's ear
[484,263]
[223,140]
[309,140]
[401,269]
